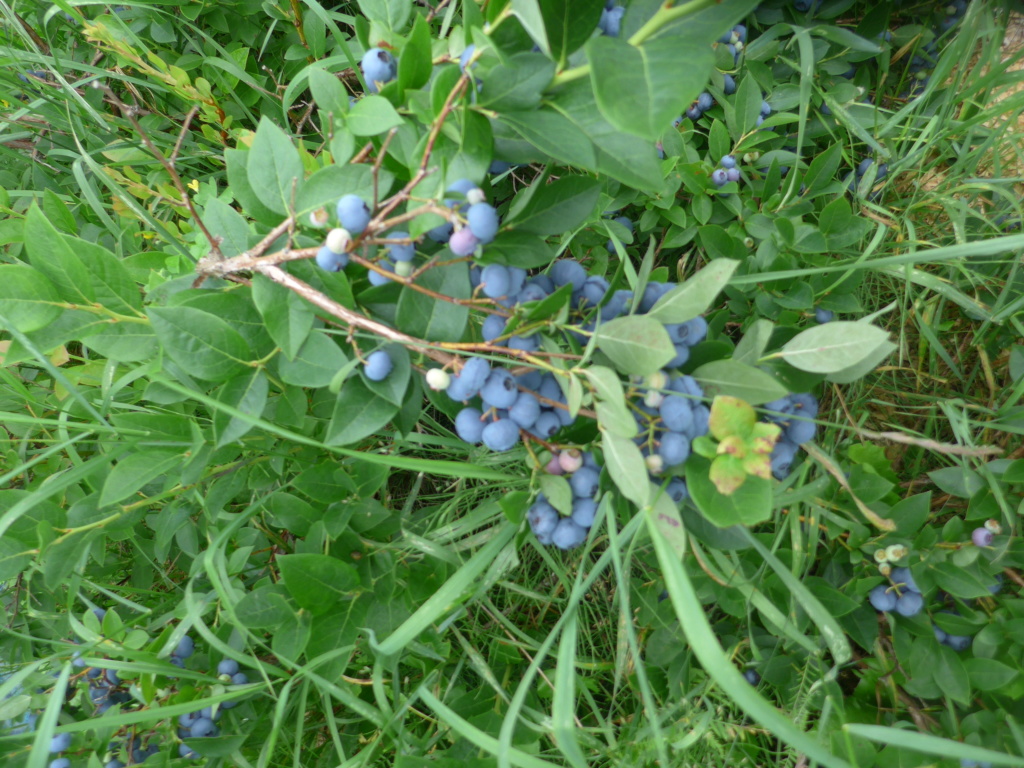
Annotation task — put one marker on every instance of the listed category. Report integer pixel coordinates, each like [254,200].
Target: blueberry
[330,261]
[185,647]
[378,66]
[442,234]
[766,109]
[401,251]
[568,534]
[720,177]
[547,425]
[529,343]
[617,305]
[701,418]
[705,101]
[531,292]
[611,20]
[353,213]
[782,459]
[495,281]
[800,431]
[525,410]
[733,174]
[378,367]
[463,242]
[227,667]
[465,56]
[568,272]
[60,742]
[959,642]
[583,512]
[60,762]
[184,750]
[500,435]
[982,537]
[686,385]
[542,518]
[909,603]
[674,449]
[940,634]
[376,278]
[188,719]
[902,578]
[112,677]
[201,728]
[728,85]
[676,490]
[468,425]
[585,482]
[470,379]
[823,316]
[500,390]
[593,290]
[113,763]
[483,222]
[694,113]
[882,598]
[676,413]
[239,678]
[751,676]
[493,327]
[94,672]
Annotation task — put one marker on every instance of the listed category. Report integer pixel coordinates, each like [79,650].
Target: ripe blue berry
[201,728]
[676,490]
[728,84]
[751,676]
[468,425]
[353,213]
[782,459]
[542,518]
[611,20]
[584,483]
[982,537]
[547,425]
[727,161]
[733,174]
[882,598]
[493,327]
[800,431]
[500,435]
[470,379]
[466,55]
[188,719]
[378,66]
[566,272]
[227,667]
[401,251]
[823,316]
[568,534]
[330,261]
[500,390]
[495,281]
[60,742]
[676,413]
[525,410]
[239,678]
[959,642]
[483,222]
[185,647]
[705,101]
[720,177]
[909,603]
[529,343]
[184,750]
[674,449]
[60,762]
[378,365]
[376,278]
[583,512]
[903,579]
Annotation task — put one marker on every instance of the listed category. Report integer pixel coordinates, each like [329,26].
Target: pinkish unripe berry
[982,537]
[570,460]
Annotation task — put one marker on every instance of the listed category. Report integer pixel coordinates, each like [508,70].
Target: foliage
[241,239]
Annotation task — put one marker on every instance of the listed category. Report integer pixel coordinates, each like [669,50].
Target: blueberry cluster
[203,722]
[950,15]
[726,172]
[734,40]
[901,596]
[548,526]
[985,535]
[794,414]
[611,18]
[379,67]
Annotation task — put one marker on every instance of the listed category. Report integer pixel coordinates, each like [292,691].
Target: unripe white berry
[881,556]
[993,526]
[404,268]
[654,464]
[885,569]
[475,195]
[438,379]
[338,240]
[894,552]
[656,380]
[653,398]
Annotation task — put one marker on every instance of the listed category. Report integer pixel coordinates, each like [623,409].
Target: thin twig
[931,445]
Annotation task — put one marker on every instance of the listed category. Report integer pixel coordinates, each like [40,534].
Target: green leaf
[749,504]
[639,89]
[274,168]
[28,301]
[518,83]
[225,222]
[833,347]
[730,377]
[551,209]
[325,186]
[636,344]
[134,471]
[328,92]
[557,491]
[414,65]
[317,582]
[237,162]
[372,116]
[748,106]
[693,297]
[433,319]
[520,249]
[202,344]
[288,316]
[112,283]
[959,582]
[930,745]
[247,393]
[751,347]
[264,607]
[626,466]
[54,255]
[358,413]
[390,14]
[315,364]
[990,675]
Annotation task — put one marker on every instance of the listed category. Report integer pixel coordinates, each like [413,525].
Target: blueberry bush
[515,383]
